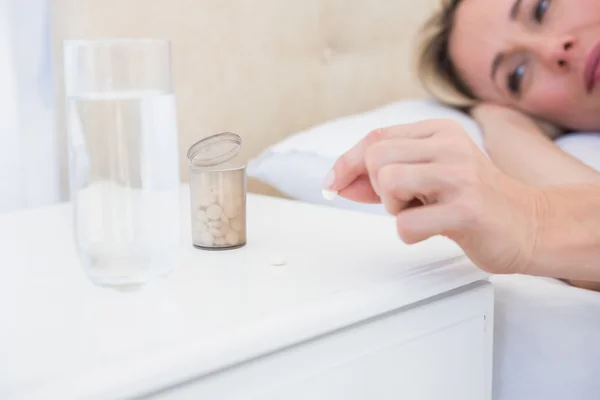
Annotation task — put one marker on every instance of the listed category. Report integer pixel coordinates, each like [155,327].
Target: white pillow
[297,165]
[582,145]
[332,138]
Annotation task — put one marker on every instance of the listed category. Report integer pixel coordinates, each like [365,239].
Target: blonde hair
[435,68]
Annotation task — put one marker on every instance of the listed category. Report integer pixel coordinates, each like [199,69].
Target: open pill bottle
[217,193]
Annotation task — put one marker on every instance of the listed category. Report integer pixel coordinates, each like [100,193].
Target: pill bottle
[217,193]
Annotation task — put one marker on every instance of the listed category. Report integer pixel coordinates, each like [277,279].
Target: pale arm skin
[520,149]
[523,151]
[569,246]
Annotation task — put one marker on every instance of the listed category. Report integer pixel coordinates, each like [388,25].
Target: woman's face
[540,56]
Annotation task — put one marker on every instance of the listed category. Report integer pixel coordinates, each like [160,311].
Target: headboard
[261,68]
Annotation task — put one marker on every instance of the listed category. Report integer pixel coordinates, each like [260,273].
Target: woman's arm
[520,148]
[568,245]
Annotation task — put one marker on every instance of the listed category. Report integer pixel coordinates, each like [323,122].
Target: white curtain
[29,167]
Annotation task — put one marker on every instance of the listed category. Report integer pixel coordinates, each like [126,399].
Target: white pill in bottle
[217,193]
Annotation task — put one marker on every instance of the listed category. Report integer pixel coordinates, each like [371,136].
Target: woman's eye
[540,10]
[514,80]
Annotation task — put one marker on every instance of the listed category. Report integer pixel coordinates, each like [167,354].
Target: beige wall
[263,68]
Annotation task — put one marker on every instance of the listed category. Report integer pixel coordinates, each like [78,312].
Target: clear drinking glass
[123,158]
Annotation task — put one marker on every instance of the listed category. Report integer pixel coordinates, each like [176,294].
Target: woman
[528,70]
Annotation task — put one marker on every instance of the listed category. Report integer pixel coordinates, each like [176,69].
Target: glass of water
[123,159]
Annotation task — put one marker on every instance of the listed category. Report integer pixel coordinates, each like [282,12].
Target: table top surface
[63,335]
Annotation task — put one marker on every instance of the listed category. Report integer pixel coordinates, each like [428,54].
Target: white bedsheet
[547,340]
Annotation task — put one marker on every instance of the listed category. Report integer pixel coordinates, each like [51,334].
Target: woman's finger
[360,191]
[398,151]
[351,164]
[400,184]
[403,185]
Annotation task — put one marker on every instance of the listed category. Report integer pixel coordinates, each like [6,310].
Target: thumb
[360,191]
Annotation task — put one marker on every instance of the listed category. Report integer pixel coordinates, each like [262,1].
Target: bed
[301,80]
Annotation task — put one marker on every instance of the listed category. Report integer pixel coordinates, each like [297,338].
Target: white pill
[201,215]
[205,200]
[215,232]
[224,229]
[329,194]
[278,260]
[213,212]
[206,239]
[214,224]
[199,229]
[232,237]
[225,218]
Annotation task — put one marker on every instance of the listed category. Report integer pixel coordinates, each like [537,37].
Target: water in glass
[125,180]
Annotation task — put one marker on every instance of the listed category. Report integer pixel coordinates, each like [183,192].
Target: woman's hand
[435,180]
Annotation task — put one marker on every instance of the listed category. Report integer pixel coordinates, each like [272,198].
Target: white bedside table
[354,314]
